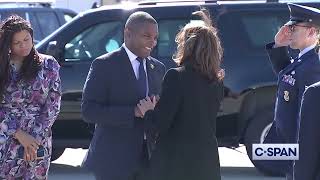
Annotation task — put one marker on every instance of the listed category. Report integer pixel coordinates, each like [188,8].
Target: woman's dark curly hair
[31,64]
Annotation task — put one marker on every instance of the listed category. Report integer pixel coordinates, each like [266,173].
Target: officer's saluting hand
[283,37]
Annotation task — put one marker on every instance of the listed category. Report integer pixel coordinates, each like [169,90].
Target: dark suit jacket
[109,97]
[308,165]
[185,119]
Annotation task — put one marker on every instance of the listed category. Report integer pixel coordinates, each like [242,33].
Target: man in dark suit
[301,32]
[308,165]
[115,84]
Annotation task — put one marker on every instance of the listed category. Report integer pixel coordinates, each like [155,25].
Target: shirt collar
[306,50]
[131,55]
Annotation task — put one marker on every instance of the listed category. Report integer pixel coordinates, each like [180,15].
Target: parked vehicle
[43,18]
[248,107]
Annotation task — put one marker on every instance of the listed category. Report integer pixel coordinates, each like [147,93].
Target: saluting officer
[294,75]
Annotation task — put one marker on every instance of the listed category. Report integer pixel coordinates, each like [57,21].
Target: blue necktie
[142,79]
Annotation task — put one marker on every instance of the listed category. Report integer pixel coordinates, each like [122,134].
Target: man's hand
[29,143]
[283,37]
[155,97]
[147,104]
[137,112]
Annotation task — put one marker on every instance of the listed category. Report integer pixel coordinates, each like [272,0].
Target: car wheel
[256,131]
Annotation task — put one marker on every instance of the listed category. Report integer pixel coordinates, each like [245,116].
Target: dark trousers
[145,154]
[289,176]
[136,174]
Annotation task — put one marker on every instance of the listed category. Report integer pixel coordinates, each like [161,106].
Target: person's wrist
[16,134]
[280,44]
[276,45]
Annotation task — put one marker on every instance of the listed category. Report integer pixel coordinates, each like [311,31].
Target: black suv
[43,18]
[250,84]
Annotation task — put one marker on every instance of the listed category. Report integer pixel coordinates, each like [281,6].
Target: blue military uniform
[294,75]
[308,165]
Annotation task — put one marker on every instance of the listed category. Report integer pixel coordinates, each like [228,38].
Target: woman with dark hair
[184,118]
[30,95]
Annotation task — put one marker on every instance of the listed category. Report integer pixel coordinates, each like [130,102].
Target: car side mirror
[53,50]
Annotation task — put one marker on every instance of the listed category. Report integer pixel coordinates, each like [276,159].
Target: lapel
[151,68]
[130,80]
[290,67]
[303,59]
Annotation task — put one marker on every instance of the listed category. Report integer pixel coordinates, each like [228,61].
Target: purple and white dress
[33,107]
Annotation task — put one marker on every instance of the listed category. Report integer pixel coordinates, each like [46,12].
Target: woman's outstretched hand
[147,104]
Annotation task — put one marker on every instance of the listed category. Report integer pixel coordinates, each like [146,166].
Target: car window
[5,14]
[250,31]
[244,35]
[48,22]
[68,17]
[37,34]
[94,41]
[168,30]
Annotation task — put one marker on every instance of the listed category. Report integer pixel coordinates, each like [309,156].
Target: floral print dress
[32,107]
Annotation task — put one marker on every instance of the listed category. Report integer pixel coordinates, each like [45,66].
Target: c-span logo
[275,151]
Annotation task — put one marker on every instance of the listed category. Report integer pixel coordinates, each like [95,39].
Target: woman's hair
[199,46]
[317,27]
[31,64]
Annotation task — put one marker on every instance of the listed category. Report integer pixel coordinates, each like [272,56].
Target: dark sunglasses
[293,26]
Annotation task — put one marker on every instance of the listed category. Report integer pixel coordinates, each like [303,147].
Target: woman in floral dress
[30,94]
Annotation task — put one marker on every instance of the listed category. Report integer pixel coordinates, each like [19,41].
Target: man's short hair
[138,18]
